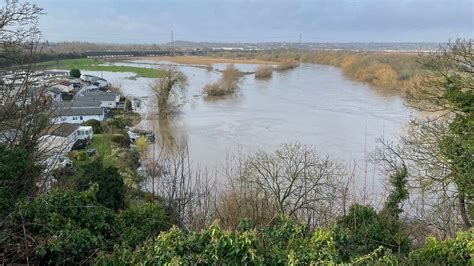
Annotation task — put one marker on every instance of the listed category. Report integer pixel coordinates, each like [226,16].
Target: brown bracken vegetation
[227,84]
[264,72]
[287,64]
[388,71]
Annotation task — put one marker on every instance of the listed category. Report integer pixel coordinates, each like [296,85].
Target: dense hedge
[68,227]
[281,243]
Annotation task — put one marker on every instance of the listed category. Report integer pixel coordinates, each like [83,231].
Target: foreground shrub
[142,222]
[67,227]
[263,72]
[213,246]
[287,242]
[282,242]
[457,251]
[363,230]
[17,172]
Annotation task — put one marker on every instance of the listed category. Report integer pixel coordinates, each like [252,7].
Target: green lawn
[95,65]
[103,146]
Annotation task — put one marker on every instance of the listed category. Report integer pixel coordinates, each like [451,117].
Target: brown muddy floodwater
[312,104]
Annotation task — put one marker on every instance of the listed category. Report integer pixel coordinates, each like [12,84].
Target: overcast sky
[148,21]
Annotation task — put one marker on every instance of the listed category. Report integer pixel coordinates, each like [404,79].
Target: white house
[78,114]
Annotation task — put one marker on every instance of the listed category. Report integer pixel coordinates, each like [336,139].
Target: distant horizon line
[262,42]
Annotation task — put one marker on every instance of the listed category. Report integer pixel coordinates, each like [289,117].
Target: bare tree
[168,90]
[19,31]
[238,199]
[187,191]
[26,111]
[295,181]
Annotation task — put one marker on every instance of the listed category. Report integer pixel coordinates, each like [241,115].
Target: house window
[81,117]
[74,118]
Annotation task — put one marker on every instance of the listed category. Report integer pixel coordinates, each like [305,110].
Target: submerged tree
[227,84]
[168,90]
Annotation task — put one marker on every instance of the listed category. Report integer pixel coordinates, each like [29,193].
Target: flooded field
[312,104]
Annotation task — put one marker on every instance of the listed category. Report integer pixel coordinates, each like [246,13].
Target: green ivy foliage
[363,230]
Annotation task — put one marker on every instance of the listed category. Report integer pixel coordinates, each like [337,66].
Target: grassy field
[96,65]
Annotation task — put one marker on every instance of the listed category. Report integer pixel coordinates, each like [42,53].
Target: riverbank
[386,71]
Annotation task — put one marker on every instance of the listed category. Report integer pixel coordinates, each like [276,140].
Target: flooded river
[312,104]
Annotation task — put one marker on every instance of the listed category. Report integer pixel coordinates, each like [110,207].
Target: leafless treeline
[294,180]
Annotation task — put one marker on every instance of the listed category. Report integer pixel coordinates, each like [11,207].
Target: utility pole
[301,37]
[172,39]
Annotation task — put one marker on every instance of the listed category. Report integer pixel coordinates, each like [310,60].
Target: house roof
[96,96]
[78,104]
[65,83]
[55,72]
[79,111]
[63,129]
[54,90]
